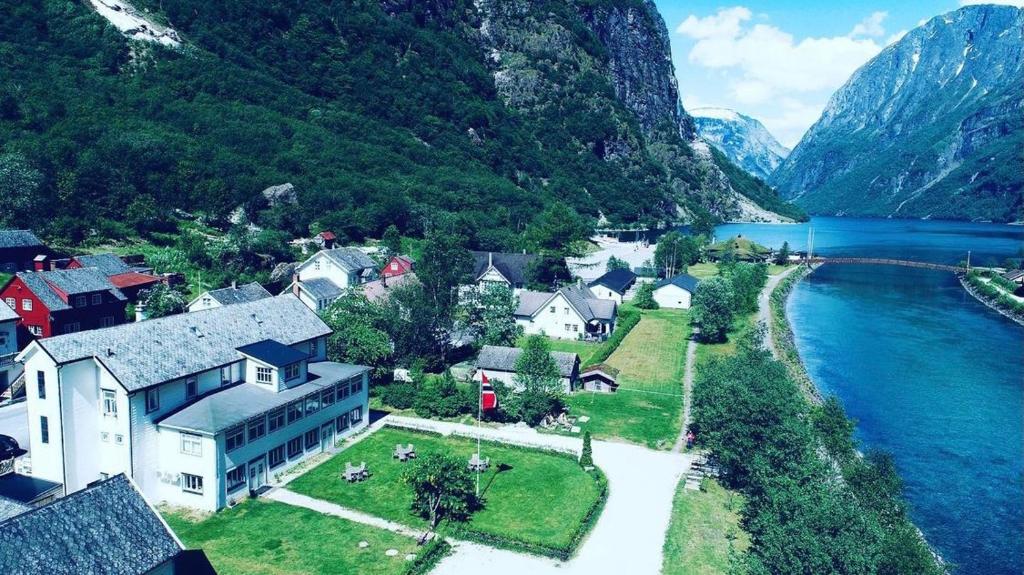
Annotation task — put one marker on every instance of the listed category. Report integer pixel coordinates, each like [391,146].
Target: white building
[510,269]
[676,292]
[573,312]
[613,285]
[228,296]
[498,363]
[326,275]
[9,369]
[198,408]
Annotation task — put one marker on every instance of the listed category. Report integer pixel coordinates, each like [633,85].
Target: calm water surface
[930,374]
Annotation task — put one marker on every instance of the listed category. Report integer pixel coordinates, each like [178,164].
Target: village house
[106,528]
[199,409]
[498,363]
[326,275]
[18,250]
[131,280]
[601,378]
[509,269]
[676,292]
[9,369]
[227,296]
[613,285]
[1015,276]
[572,312]
[64,301]
[379,290]
[396,266]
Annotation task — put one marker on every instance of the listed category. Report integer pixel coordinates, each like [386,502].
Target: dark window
[342,422]
[152,399]
[191,388]
[275,456]
[257,428]
[327,397]
[236,478]
[234,438]
[276,419]
[44,428]
[295,411]
[313,404]
[312,439]
[41,382]
[295,447]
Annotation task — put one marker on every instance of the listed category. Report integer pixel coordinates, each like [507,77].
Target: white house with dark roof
[326,275]
[198,408]
[613,284]
[511,269]
[676,292]
[227,296]
[499,363]
[572,312]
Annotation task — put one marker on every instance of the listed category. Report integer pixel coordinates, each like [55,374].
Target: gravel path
[326,507]
[764,313]
[691,356]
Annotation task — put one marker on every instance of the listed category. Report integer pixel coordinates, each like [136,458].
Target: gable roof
[7,314]
[238,294]
[617,280]
[133,279]
[502,358]
[321,288]
[685,281]
[150,352]
[589,306]
[273,353]
[1013,275]
[513,267]
[350,259]
[107,528]
[377,290]
[108,264]
[72,282]
[19,239]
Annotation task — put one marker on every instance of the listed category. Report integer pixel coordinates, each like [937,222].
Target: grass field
[704,526]
[581,348]
[268,538]
[703,270]
[541,498]
[646,408]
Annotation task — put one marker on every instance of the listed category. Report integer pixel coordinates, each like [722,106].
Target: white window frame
[225,375]
[26,304]
[191,444]
[264,374]
[192,483]
[81,301]
[107,321]
[11,302]
[109,399]
[73,327]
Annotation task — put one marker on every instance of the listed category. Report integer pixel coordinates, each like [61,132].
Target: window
[105,436]
[264,375]
[235,478]
[357,415]
[357,385]
[97,298]
[11,303]
[343,391]
[394,266]
[26,304]
[191,483]
[107,321]
[41,384]
[276,419]
[191,444]
[312,439]
[295,447]
[191,388]
[234,438]
[552,309]
[312,404]
[152,399]
[275,457]
[118,439]
[291,372]
[257,428]
[35,330]
[295,411]
[225,375]
[568,327]
[207,300]
[328,396]
[566,311]
[104,476]
[109,402]
[342,422]
[80,301]
[576,327]
[314,348]
[72,327]
[316,265]
[44,429]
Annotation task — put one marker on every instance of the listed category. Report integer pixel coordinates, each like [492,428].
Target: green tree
[490,314]
[674,252]
[162,300]
[442,488]
[782,256]
[587,453]
[556,228]
[644,298]
[713,308]
[615,263]
[358,333]
[747,281]
[836,430]
[19,185]
[535,368]
[392,241]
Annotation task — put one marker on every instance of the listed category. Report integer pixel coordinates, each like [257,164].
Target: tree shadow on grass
[498,469]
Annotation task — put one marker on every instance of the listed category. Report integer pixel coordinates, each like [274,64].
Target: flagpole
[479,416]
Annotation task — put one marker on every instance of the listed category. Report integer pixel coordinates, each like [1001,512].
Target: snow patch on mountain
[744,140]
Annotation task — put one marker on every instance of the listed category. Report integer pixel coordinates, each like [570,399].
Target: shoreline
[988,302]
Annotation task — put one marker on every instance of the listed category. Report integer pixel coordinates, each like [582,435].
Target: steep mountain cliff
[931,127]
[744,140]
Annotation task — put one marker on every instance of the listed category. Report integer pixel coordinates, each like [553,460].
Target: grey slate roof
[239,294]
[107,529]
[18,239]
[513,266]
[71,282]
[6,313]
[108,264]
[531,301]
[232,406]
[350,259]
[1013,275]
[10,508]
[589,305]
[321,288]
[617,280]
[685,281]
[150,352]
[500,358]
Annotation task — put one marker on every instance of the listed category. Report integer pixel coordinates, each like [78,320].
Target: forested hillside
[379,113]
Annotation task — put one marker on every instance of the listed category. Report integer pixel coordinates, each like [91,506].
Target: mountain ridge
[744,140]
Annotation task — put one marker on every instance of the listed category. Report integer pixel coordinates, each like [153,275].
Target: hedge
[993,296]
[628,318]
[428,557]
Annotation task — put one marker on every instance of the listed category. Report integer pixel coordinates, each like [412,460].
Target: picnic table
[355,473]
[404,453]
[478,464]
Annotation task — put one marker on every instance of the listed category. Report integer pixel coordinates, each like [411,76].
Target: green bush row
[993,295]
[785,345]
[429,556]
[628,318]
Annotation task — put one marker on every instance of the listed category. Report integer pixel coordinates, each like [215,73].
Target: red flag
[488,398]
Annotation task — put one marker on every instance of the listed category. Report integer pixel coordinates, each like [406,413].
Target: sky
[779,61]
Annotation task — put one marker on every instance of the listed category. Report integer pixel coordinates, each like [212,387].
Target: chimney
[39,263]
[234,284]
[490,259]
[295,284]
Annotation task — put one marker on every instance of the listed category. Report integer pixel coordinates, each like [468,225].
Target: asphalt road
[14,422]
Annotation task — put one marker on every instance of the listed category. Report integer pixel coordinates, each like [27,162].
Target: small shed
[601,378]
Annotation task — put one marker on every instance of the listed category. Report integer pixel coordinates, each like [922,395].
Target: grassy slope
[267,538]
[703,531]
[584,349]
[542,499]
[646,408]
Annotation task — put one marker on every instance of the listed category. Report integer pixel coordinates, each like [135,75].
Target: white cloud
[870,26]
[1017,3]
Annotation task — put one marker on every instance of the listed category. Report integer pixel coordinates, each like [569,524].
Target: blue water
[930,374]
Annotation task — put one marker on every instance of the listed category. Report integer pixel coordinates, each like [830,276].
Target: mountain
[932,127]
[744,140]
[383,113]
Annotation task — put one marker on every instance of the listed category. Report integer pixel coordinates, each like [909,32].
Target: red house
[129,279]
[398,265]
[64,301]
[325,240]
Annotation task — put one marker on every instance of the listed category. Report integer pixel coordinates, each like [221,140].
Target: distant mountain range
[932,127]
[744,140]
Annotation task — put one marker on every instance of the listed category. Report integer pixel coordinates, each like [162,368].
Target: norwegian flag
[488,398]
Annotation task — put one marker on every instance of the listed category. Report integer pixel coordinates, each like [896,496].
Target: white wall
[558,323]
[8,347]
[673,297]
[603,292]
[203,302]
[327,269]
[47,459]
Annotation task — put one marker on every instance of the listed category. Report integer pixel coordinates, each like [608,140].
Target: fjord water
[930,374]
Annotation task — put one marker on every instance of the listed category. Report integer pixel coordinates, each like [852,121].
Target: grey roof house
[510,268]
[499,362]
[572,312]
[326,275]
[228,296]
[18,249]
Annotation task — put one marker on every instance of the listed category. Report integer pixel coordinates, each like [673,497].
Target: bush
[399,394]
[587,454]
[645,297]
[713,308]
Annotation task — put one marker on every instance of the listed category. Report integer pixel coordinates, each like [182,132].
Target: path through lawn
[703,532]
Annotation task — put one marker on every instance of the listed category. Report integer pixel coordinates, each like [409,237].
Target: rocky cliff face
[744,140]
[931,127]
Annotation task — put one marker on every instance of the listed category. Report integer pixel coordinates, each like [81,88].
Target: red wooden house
[398,265]
[64,301]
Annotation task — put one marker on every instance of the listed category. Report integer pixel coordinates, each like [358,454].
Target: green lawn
[581,348]
[542,498]
[703,270]
[646,408]
[268,538]
[4,278]
[704,526]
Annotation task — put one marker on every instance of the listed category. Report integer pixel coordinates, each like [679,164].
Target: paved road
[14,422]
